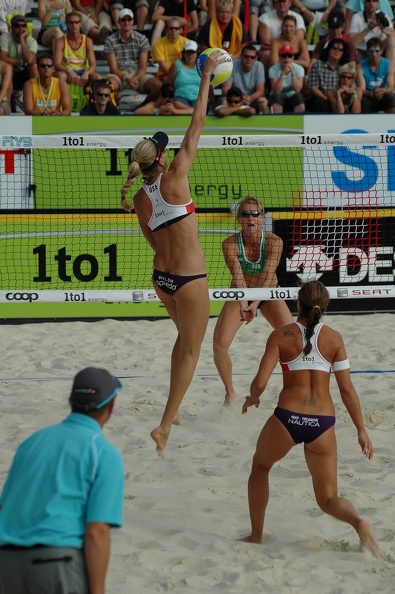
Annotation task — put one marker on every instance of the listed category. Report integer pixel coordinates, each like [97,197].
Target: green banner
[99,250]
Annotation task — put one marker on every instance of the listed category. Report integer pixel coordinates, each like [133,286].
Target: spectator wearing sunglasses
[335,30]
[167,10]
[18,48]
[140,8]
[168,49]
[234,105]
[346,97]
[372,23]
[375,76]
[286,81]
[249,76]
[102,104]
[252,256]
[324,75]
[46,95]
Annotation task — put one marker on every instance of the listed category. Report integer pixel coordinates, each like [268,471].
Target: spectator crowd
[290,56]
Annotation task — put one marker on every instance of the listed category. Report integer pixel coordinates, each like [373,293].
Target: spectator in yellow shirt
[168,49]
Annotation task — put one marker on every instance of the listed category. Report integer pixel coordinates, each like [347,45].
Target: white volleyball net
[64,236]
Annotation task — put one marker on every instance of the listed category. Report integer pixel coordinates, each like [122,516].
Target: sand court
[184,515]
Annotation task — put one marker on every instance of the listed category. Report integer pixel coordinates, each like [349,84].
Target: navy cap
[92,389]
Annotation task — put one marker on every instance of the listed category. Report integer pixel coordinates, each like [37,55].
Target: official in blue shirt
[63,493]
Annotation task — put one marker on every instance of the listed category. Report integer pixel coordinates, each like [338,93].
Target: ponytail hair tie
[316,307]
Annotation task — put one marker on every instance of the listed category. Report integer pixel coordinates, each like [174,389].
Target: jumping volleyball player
[168,221]
[307,351]
[252,256]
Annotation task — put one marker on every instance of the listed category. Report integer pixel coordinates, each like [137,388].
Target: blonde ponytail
[133,171]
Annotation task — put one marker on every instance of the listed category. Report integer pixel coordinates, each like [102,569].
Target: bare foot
[368,540]
[160,438]
[250,539]
[229,398]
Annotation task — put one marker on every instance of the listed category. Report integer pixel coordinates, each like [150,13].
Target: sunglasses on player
[245,214]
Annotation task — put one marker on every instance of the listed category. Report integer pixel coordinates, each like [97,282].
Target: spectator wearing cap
[270,24]
[167,10]
[372,23]
[335,31]
[127,56]
[19,49]
[168,49]
[140,8]
[234,105]
[9,7]
[59,539]
[186,80]
[286,81]
[249,76]
[102,102]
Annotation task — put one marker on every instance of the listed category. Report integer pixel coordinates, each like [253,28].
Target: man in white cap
[127,56]
[139,7]
[63,492]
[168,49]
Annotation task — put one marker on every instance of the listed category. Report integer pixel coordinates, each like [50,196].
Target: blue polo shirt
[62,477]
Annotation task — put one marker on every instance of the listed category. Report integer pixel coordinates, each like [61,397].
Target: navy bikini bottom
[301,427]
[170,283]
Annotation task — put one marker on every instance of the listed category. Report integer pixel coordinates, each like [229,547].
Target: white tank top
[164,214]
[314,360]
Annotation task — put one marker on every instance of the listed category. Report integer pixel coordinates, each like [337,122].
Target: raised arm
[184,158]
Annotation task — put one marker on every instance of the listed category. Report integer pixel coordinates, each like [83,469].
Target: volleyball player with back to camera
[307,351]
[168,221]
[252,256]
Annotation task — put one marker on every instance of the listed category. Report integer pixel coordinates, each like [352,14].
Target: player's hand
[248,313]
[366,444]
[213,60]
[249,401]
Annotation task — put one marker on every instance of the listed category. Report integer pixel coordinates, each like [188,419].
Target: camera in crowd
[382,19]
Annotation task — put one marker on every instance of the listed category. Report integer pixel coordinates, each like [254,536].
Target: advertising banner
[68,245]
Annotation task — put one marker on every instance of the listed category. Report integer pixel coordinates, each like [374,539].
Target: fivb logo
[16,141]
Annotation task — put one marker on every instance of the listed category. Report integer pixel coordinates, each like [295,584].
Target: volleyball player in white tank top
[179,276]
[305,413]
